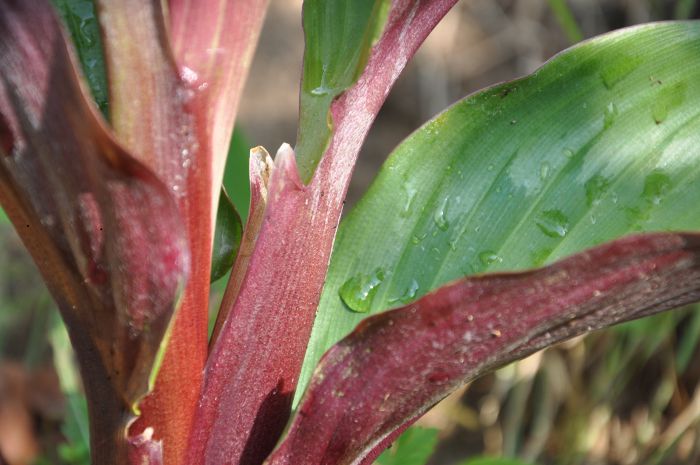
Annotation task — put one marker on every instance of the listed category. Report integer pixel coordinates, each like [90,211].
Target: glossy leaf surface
[254,363]
[227,237]
[600,142]
[397,364]
[339,35]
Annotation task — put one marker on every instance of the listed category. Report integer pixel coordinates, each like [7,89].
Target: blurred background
[624,396]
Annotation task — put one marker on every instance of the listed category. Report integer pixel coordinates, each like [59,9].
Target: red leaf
[254,363]
[398,364]
[105,232]
[175,109]
[150,110]
[213,43]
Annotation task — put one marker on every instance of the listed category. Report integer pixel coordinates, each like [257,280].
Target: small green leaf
[339,36]
[414,447]
[79,19]
[227,237]
[236,180]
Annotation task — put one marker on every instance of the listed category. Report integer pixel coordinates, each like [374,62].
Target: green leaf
[339,35]
[566,20]
[227,237]
[75,426]
[3,217]
[600,142]
[79,19]
[236,180]
[492,461]
[414,447]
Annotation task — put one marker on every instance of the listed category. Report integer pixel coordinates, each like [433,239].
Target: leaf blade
[517,175]
[397,364]
[227,237]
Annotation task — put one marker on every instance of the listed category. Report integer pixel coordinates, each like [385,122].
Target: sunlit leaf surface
[600,142]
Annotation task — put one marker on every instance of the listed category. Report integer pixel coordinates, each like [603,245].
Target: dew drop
[553,223]
[489,257]
[320,91]
[596,187]
[666,100]
[544,170]
[440,216]
[48,220]
[609,115]
[568,153]
[359,291]
[656,185]
[410,192]
[188,75]
[618,70]
[409,294]
[418,239]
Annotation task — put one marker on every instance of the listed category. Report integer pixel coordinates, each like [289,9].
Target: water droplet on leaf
[618,70]
[656,185]
[553,223]
[489,257]
[359,291]
[409,294]
[667,99]
[596,187]
[410,192]
[609,115]
[440,217]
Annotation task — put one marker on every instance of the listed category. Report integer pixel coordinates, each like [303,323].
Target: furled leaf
[236,174]
[151,114]
[174,107]
[397,364]
[339,36]
[260,169]
[227,237]
[97,222]
[600,142]
[254,363]
[414,447]
[80,21]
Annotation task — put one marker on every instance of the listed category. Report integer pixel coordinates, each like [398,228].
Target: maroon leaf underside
[396,365]
[254,363]
[96,221]
[260,169]
[150,111]
[173,97]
